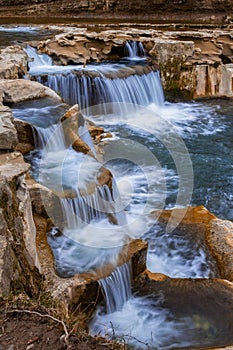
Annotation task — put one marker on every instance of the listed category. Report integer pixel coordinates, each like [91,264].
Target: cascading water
[117,288]
[122,93]
[89,239]
[87,90]
[128,316]
[134,50]
[98,85]
[38,60]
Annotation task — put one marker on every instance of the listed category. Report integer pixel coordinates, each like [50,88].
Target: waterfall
[36,59]
[87,90]
[105,83]
[134,50]
[96,206]
[95,227]
[117,287]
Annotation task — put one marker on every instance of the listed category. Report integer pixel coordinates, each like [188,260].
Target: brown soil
[25,330]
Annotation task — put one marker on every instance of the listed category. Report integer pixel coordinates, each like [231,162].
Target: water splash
[134,50]
[38,60]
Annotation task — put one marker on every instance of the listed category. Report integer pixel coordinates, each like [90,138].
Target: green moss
[171,72]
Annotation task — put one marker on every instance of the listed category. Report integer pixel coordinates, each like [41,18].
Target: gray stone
[8,134]
[12,165]
[13,62]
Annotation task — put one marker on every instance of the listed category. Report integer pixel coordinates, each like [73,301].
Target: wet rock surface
[216,235]
[206,302]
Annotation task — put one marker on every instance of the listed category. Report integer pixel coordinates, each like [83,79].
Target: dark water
[18,34]
[206,128]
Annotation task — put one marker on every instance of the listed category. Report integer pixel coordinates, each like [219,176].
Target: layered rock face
[193,64]
[121,8]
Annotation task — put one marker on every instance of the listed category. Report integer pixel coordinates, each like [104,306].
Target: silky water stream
[150,135]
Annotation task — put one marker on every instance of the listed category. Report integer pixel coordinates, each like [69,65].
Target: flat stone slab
[18,90]
[12,165]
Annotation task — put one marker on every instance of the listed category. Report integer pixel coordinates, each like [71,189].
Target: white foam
[143,324]
[18,29]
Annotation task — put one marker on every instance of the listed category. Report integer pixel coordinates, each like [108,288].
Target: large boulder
[18,90]
[26,142]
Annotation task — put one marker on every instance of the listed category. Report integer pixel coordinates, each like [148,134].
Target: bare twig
[45,316]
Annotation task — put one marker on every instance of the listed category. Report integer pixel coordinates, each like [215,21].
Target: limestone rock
[95,131]
[71,121]
[8,134]
[12,165]
[193,63]
[214,81]
[6,265]
[172,50]
[220,240]
[25,136]
[46,204]
[13,62]
[19,90]
[19,256]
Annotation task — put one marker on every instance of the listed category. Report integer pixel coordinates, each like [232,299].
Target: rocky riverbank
[158,10]
[192,64]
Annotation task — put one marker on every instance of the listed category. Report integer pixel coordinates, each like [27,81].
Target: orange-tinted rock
[95,131]
[80,146]
[105,177]
[220,242]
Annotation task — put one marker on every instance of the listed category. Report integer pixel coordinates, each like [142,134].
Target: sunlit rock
[19,90]
[220,241]
[72,121]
